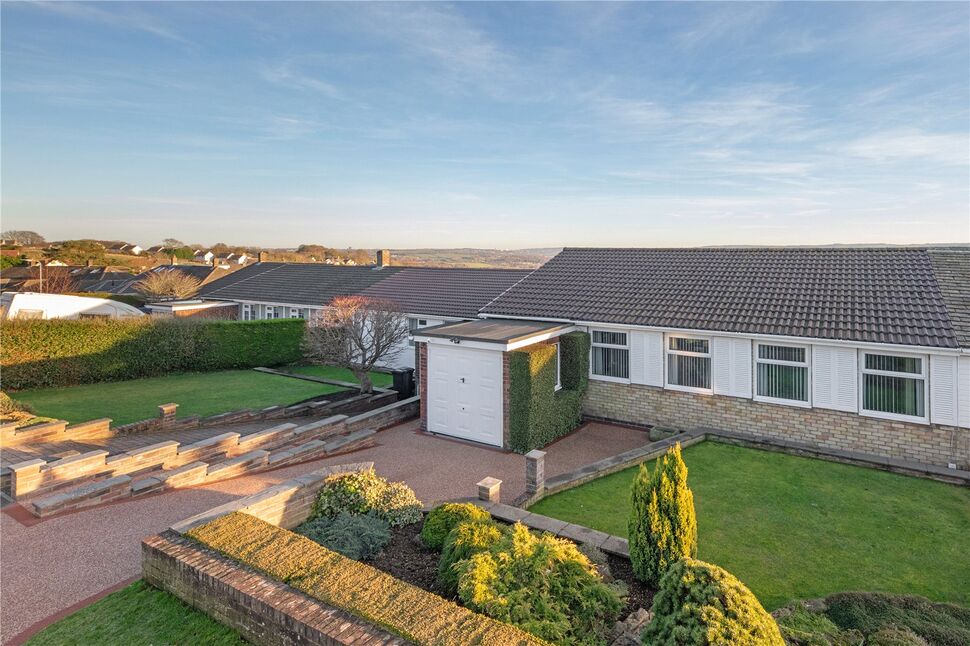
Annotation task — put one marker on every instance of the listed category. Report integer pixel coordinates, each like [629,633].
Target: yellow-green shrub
[540,583]
[700,604]
[442,519]
[464,541]
[399,607]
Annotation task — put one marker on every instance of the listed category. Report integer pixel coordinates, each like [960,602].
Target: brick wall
[931,444]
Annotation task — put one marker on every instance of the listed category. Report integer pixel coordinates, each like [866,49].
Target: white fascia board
[501,347]
[478,345]
[804,340]
[272,303]
[438,317]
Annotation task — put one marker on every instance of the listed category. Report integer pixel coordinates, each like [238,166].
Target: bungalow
[427,296]
[230,259]
[203,256]
[854,349]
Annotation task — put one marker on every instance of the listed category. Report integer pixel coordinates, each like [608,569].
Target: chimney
[383,258]
[215,261]
[263,256]
[175,259]
[88,263]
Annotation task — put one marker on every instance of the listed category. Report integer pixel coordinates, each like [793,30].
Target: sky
[487,124]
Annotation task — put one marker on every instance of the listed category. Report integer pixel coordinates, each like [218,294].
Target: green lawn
[197,393]
[379,379]
[138,614]
[799,528]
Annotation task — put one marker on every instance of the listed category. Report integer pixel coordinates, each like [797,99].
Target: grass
[799,528]
[199,393]
[137,614]
[379,379]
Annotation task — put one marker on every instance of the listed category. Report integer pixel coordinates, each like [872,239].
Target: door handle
[462,380]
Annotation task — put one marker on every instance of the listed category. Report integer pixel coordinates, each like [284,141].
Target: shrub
[802,627]
[895,636]
[444,518]
[365,491]
[538,413]
[663,525]
[38,354]
[542,584]
[358,537]
[408,611]
[700,604]
[464,541]
[941,624]
[10,406]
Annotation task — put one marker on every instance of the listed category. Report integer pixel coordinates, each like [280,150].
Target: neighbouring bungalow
[427,296]
[126,283]
[125,248]
[863,350]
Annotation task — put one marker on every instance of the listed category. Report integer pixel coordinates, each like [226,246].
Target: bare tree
[24,237]
[56,280]
[168,284]
[356,333]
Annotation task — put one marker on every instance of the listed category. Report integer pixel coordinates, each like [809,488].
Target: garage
[463,384]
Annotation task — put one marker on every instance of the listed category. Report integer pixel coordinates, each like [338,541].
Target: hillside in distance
[477,258]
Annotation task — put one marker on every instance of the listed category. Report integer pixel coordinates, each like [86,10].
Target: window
[689,363]
[782,373]
[247,312]
[297,313]
[558,368]
[611,355]
[413,325]
[894,385]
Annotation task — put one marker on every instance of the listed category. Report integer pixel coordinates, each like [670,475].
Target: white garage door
[464,393]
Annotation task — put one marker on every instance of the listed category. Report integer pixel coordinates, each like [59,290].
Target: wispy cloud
[911,145]
[287,73]
[122,15]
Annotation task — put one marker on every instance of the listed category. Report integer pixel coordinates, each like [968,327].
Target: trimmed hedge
[399,607]
[39,354]
[538,413]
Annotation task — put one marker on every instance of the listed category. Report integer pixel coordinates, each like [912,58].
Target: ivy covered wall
[538,413]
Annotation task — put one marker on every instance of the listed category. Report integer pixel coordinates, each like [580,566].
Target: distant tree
[662,526]
[182,253]
[24,237]
[169,284]
[359,256]
[56,280]
[220,247]
[77,252]
[312,249]
[172,243]
[356,333]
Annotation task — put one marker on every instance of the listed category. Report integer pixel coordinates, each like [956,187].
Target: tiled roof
[117,283]
[298,283]
[446,292]
[880,295]
[952,269]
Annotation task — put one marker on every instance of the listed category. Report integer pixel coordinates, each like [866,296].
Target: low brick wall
[821,428]
[262,610]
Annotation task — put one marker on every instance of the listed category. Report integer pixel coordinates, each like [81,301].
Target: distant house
[203,256]
[125,248]
[156,249]
[427,296]
[126,284]
[231,258]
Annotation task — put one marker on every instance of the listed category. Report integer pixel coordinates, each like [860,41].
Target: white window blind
[894,385]
[610,354]
[782,373]
[689,363]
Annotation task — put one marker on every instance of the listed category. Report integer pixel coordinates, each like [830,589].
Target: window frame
[807,364]
[593,344]
[558,385]
[923,375]
[247,312]
[668,351]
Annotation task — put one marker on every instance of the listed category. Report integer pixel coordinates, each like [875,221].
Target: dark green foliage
[700,604]
[542,584]
[37,354]
[364,491]
[11,261]
[444,518]
[940,624]
[538,413]
[10,406]
[464,541]
[356,536]
[663,525]
[895,636]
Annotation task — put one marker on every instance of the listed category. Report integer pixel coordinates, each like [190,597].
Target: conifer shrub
[356,536]
[699,604]
[464,541]
[442,519]
[662,525]
[364,491]
[541,584]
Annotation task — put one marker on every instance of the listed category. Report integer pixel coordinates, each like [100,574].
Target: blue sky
[488,125]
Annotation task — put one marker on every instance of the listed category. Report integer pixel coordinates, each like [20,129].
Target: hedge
[38,353]
[401,608]
[538,413]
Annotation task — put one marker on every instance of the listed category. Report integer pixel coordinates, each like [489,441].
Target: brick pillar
[490,489]
[535,471]
[166,415]
[422,370]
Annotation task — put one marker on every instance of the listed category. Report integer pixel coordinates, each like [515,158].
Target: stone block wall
[825,429]
[422,364]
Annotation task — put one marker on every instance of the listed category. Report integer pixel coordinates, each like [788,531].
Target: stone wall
[825,429]
[423,382]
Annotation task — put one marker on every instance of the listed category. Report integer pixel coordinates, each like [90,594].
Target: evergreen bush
[699,604]
[662,525]
[364,491]
[542,584]
[356,536]
[444,518]
[463,541]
